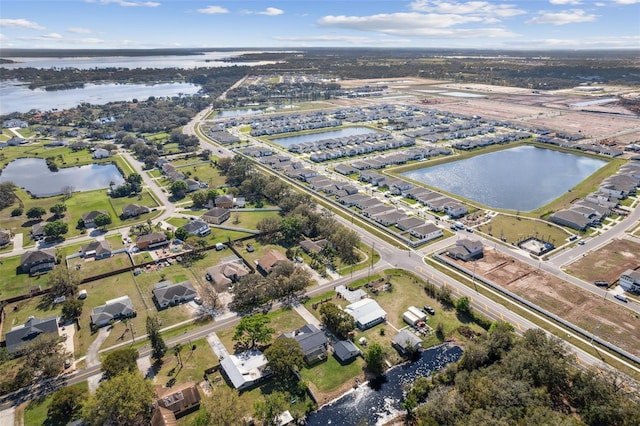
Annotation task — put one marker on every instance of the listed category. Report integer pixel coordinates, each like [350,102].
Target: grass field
[515,229]
[194,362]
[91,267]
[207,172]
[14,284]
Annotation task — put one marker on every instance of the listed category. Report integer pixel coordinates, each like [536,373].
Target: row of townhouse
[591,210]
[437,202]
[332,143]
[223,137]
[496,139]
[601,149]
[366,148]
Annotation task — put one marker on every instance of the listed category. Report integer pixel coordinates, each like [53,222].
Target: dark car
[428,309]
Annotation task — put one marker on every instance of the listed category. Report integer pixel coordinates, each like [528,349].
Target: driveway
[7,417]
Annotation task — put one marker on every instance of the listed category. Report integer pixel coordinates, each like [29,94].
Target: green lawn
[515,229]
[206,172]
[330,375]
[194,362]
[14,284]
[248,220]
[35,414]
[91,267]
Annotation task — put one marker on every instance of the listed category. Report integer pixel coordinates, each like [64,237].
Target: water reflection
[32,175]
[312,137]
[379,401]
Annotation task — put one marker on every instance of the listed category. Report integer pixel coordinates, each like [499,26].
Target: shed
[406,341]
[366,313]
[345,351]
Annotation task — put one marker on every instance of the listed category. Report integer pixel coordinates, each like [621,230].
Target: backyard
[513,229]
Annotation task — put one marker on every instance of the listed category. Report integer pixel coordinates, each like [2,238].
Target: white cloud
[271,11]
[476,8]
[562,18]
[624,42]
[563,2]
[340,39]
[599,4]
[627,1]
[78,30]
[213,10]
[125,3]
[52,36]
[416,24]
[20,23]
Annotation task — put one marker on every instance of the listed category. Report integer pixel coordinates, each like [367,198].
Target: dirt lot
[608,262]
[580,307]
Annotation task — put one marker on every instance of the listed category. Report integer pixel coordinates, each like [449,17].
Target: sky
[494,24]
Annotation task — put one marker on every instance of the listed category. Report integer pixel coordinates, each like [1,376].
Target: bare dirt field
[608,262]
[615,323]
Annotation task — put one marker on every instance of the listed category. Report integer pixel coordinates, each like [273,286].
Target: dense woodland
[505,380]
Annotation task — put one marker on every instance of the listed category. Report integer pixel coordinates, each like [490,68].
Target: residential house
[366,313]
[406,341]
[345,351]
[224,201]
[391,218]
[192,185]
[37,230]
[89,217]
[466,249]
[100,153]
[168,294]
[427,232]
[376,210]
[313,246]
[34,262]
[5,237]
[133,210]
[174,402]
[345,169]
[96,249]
[408,223]
[34,327]
[228,271]
[571,219]
[197,228]
[15,122]
[630,280]
[313,343]
[269,260]
[245,369]
[216,215]
[152,241]
[112,310]
[455,210]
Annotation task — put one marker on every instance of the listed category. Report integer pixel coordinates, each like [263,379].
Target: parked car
[621,297]
[429,310]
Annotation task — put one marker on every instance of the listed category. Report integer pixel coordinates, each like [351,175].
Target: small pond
[377,403]
[33,175]
[330,134]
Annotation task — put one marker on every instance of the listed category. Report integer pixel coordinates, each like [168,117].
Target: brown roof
[268,260]
[163,417]
[153,237]
[179,398]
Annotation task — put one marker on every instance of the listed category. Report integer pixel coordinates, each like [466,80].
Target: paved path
[7,417]
[93,359]
[306,315]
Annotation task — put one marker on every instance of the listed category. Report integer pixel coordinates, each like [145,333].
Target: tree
[221,408]
[285,356]
[253,329]
[56,228]
[463,305]
[291,229]
[199,198]
[62,282]
[102,220]
[58,209]
[72,309]
[272,406]
[345,242]
[122,400]
[178,188]
[374,357]
[66,405]
[337,320]
[270,226]
[181,234]
[120,361]
[7,194]
[158,347]
[36,212]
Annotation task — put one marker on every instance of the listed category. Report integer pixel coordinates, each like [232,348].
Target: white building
[366,313]
[630,280]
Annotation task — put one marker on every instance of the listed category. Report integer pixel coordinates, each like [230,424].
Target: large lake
[522,178]
[19,98]
[330,134]
[206,59]
[33,175]
[376,404]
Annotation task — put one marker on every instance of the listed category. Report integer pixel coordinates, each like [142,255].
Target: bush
[17,212]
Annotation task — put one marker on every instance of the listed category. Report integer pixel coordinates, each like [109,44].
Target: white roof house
[366,313]
[630,280]
[245,369]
